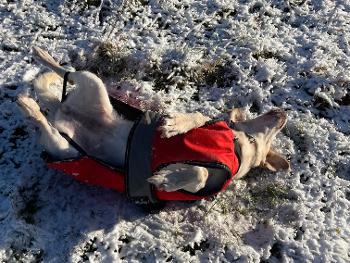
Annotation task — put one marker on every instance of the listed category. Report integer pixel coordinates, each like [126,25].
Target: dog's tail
[48,89]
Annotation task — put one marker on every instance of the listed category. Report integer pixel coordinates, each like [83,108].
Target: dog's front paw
[174,124]
[179,123]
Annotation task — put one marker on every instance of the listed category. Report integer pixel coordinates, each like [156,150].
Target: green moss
[270,195]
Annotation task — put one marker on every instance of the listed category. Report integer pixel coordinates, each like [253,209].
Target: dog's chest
[106,142]
[111,146]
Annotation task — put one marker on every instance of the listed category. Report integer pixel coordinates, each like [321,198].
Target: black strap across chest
[238,150]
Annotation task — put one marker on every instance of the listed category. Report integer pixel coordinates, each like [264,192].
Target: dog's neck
[250,153]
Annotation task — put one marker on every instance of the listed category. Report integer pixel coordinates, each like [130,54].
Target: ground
[186,56]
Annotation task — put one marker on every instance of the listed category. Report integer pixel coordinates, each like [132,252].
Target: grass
[18,134]
[24,255]
[257,198]
[28,206]
[218,72]
[111,59]
[265,55]
[271,195]
[107,59]
[93,2]
[242,210]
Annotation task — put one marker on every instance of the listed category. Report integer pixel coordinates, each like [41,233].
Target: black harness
[64,90]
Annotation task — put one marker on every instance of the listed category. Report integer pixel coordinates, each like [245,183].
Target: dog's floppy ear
[238,115]
[275,161]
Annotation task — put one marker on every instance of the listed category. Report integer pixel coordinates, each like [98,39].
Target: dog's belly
[104,142]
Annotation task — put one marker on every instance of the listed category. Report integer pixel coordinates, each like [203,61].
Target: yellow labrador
[88,116]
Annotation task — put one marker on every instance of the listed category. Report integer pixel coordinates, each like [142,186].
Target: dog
[88,117]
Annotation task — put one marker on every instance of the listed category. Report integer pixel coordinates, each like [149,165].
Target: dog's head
[258,134]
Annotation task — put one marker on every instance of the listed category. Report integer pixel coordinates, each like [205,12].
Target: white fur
[87,116]
[179,123]
[180,176]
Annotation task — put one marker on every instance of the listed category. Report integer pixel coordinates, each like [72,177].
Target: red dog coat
[211,146]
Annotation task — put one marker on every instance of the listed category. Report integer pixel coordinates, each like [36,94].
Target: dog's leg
[180,176]
[179,123]
[49,95]
[44,58]
[50,138]
[89,98]
[90,95]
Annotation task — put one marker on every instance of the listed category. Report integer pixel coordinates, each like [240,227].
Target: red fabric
[211,143]
[89,171]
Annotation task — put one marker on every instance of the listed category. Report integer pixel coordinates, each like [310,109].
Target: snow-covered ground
[186,55]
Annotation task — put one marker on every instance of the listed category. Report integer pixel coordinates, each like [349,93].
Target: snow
[185,56]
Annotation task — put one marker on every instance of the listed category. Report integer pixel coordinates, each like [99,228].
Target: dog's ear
[238,115]
[275,161]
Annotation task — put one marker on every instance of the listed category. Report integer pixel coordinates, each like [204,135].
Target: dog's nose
[279,115]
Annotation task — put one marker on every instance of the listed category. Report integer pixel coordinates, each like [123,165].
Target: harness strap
[238,150]
[73,144]
[139,158]
[64,90]
[64,135]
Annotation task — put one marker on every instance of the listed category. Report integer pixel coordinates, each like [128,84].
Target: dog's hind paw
[42,55]
[161,182]
[180,176]
[30,107]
